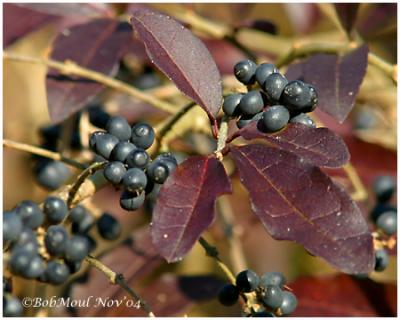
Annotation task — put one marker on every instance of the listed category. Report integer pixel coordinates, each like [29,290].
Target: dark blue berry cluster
[277,103]
[384,216]
[12,306]
[40,246]
[269,291]
[129,165]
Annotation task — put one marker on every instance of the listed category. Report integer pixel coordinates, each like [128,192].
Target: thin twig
[118,279]
[360,193]
[42,152]
[222,136]
[71,68]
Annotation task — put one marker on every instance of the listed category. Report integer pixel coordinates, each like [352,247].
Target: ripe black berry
[83,226]
[274,86]
[131,201]
[381,259]
[32,216]
[273,279]
[36,268]
[134,180]
[20,260]
[26,242]
[245,120]
[108,227]
[114,172]
[56,272]
[12,306]
[93,139]
[157,171]
[55,240]
[247,281]
[263,71]
[142,135]
[55,209]
[230,105]
[387,222]
[245,71]
[78,213]
[380,209]
[251,103]
[228,295]
[121,151]
[119,127]
[272,297]
[303,118]
[76,248]
[51,174]
[169,160]
[7,284]
[297,96]
[12,226]
[98,117]
[275,118]
[289,303]
[383,187]
[105,143]
[73,266]
[138,158]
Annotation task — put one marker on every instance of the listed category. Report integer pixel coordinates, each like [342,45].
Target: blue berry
[93,139]
[56,272]
[20,260]
[245,71]
[274,86]
[381,259]
[55,240]
[32,216]
[121,151]
[272,297]
[273,279]
[55,209]
[78,213]
[297,97]
[289,303]
[228,295]
[380,209]
[263,71]
[105,143]
[76,248]
[131,201]
[98,117]
[12,306]
[304,119]
[142,135]
[157,171]
[83,226]
[108,227]
[230,105]
[36,268]
[27,242]
[119,127]
[114,172]
[138,158]
[169,160]
[52,174]
[275,118]
[387,222]
[134,180]
[251,103]
[12,226]
[247,281]
[384,187]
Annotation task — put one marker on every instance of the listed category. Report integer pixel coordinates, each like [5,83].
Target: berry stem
[71,68]
[118,279]
[360,193]
[42,152]
[222,136]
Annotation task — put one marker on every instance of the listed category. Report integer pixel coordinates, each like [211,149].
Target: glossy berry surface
[78,213]
[245,120]
[228,295]
[274,86]
[36,268]
[263,71]
[131,201]
[304,119]
[12,306]
[380,209]
[55,240]
[27,244]
[121,151]
[289,303]
[275,118]
[105,144]
[52,174]
[251,103]
[247,281]
[20,260]
[230,105]
[134,180]
[56,272]
[384,187]
[12,226]
[387,222]
[297,96]
[245,71]
[83,226]
[108,227]
[273,279]
[169,160]
[76,248]
[119,127]
[114,172]
[30,213]
[93,139]
[55,209]
[142,135]
[157,172]
[381,259]
[138,158]
[272,297]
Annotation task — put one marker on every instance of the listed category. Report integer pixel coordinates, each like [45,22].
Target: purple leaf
[347,13]
[319,146]
[295,71]
[97,45]
[182,57]
[67,9]
[337,80]
[185,206]
[297,201]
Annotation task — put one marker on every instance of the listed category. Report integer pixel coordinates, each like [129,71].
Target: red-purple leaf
[185,206]
[182,57]
[297,201]
[344,296]
[66,9]
[347,13]
[19,21]
[337,80]
[96,45]
[319,146]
